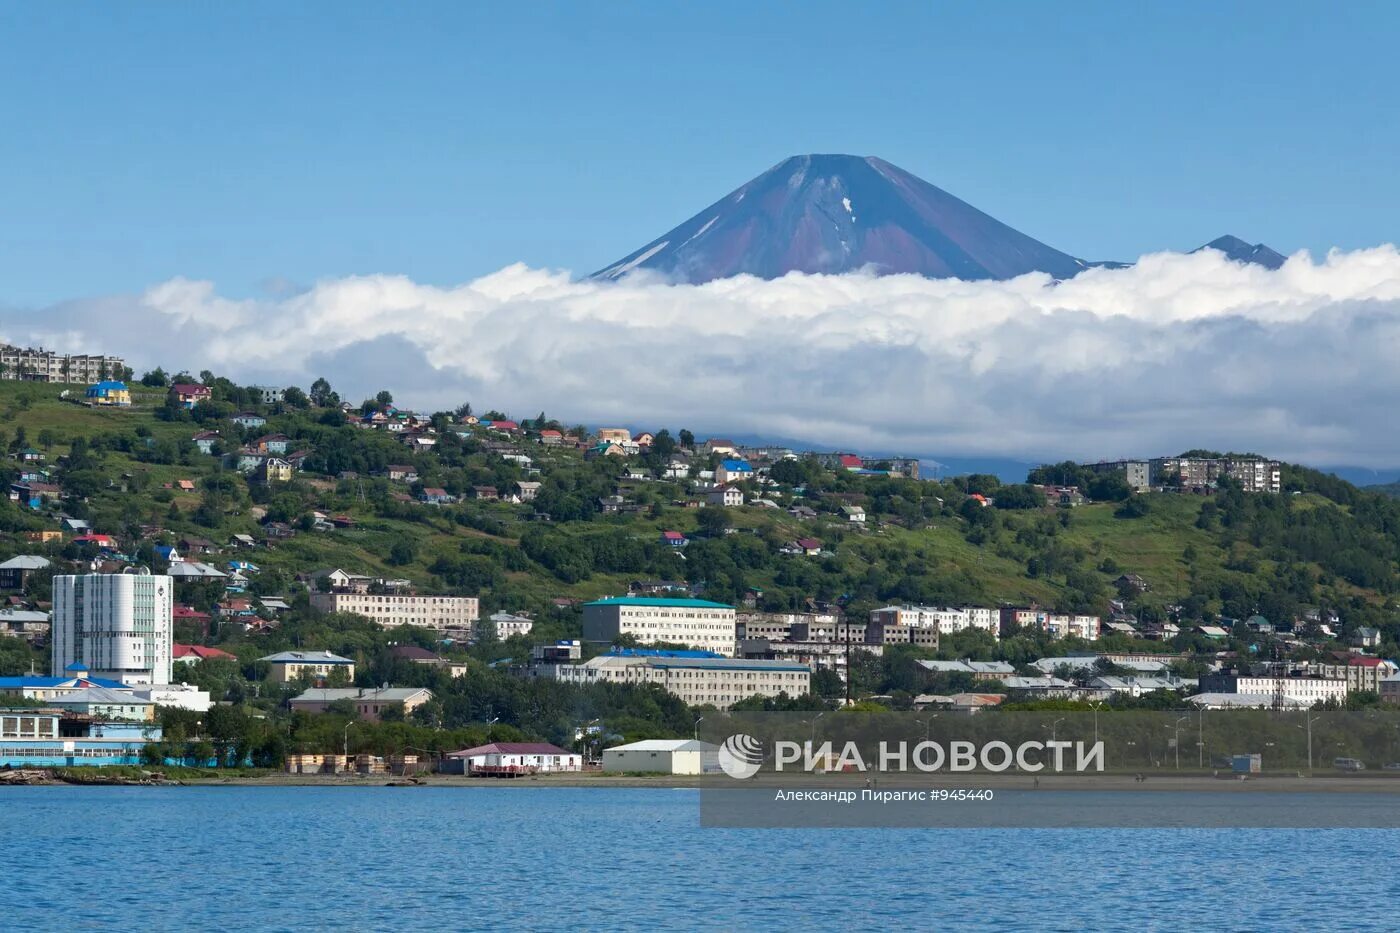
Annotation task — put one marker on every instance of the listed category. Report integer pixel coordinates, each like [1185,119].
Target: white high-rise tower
[117,625]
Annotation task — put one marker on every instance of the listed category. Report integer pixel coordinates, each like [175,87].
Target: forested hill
[138,474]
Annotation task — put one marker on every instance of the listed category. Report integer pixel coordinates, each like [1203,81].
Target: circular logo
[741,756]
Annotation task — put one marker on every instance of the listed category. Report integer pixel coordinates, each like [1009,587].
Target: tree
[713,520]
[384,398]
[402,552]
[321,391]
[686,438]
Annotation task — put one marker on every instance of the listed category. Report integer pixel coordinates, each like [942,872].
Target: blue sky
[267,146]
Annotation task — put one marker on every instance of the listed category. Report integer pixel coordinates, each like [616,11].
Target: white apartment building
[945,621]
[502,625]
[42,365]
[394,609]
[118,626]
[697,623]
[1308,690]
[718,681]
[1058,625]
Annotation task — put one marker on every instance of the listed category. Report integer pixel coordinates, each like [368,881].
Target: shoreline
[1280,783]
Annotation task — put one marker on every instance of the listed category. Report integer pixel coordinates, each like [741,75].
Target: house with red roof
[98,540]
[850,462]
[551,438]
[674,539]
[200,620]
[512,759]
[189,394]
[193,654]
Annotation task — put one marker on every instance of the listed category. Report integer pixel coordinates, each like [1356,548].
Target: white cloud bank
[1175,352]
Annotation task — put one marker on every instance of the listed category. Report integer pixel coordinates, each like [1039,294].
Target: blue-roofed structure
[658,602]
[691,654]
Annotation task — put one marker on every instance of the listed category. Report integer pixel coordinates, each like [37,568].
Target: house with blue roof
[108,394]
[732,471]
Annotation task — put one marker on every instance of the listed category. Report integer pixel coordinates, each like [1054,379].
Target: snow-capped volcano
[840,213]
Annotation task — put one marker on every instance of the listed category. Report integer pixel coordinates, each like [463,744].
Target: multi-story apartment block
[1058,625]
[945,621]
[394,609]
[1307,690]
[1360,672]
[117,626]
[697,623]
[721,682]
[1252,473]
[40,365]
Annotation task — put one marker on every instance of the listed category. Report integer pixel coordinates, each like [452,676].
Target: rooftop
[658,602]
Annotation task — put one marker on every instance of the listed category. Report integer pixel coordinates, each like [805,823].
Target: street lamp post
[1176,740]
[345,740]
[813,741]
[1309,720]
[697,727]
[1054,727]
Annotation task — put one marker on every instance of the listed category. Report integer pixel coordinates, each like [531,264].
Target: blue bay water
[310,858]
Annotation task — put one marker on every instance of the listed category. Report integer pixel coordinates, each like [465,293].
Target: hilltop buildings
[40,365]
[117,626]
[393,605]
[1254,474]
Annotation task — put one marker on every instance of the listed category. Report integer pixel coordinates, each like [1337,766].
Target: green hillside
[1229,554]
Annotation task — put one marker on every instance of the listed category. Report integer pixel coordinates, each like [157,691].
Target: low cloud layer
[1178,351]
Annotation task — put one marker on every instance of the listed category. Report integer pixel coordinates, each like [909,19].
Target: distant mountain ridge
[841,213]
[1240,251]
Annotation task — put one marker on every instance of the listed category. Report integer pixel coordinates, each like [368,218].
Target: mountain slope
[1240,251]
[840,213]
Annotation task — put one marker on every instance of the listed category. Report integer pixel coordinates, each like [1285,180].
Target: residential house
[503,625]
[248,419]
[854,513]
[678,467]
[505,759]
[205,441]
[551,438]
[193,654]
[370,703]
[604,449]
[806,547]
[674,539]
[719,445]
[16,571]
[272,470]
[401,473]
[528,491]
[486,493]
[187,395]
[289,666]
[109,394]
[732,471]
[44,536]
[272,444]
[435,495]
[728,496]
[428,659]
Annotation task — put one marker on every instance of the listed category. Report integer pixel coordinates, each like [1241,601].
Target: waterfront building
[117,626]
